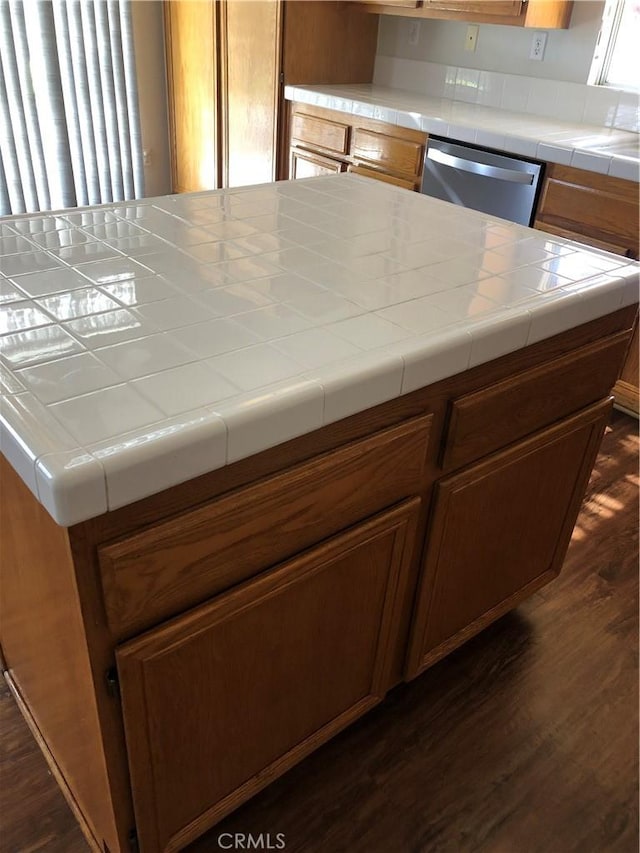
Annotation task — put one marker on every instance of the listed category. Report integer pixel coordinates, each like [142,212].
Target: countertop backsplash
[594,105]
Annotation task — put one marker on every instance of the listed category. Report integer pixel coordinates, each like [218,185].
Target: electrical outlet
[471,38]
[414,32]
[537,46]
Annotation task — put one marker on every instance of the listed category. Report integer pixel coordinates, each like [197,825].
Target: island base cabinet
[499,530]
[219,702]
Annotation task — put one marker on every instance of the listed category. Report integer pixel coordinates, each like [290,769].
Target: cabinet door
[305,164]
[500,530]
[251,47]
[224,699]
[191,35]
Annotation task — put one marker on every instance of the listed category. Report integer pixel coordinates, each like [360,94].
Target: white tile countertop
[607,151]
[143,344]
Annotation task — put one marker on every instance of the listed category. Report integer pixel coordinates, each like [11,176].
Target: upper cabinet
[227,64]
[543,14]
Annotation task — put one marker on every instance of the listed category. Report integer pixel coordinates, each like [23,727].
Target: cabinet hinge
[282,76]
[113,685]
[134,846]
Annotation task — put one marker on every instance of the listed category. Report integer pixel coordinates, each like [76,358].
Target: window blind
[69,115]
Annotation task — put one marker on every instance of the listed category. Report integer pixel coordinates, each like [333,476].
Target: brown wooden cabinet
[331,141]
[225,55]
[210,636]
[221,701]
[546,14]
[603,212]
[499,531]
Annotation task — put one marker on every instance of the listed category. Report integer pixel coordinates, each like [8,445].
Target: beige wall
[504,49]
[148,30]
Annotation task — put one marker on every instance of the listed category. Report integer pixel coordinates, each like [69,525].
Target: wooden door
[191,37]
[251,45]
[307,164]
[224,699]
[499,530]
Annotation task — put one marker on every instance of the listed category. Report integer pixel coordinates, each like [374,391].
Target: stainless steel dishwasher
[475,177]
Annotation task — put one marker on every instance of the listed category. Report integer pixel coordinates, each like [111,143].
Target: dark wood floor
[523,741]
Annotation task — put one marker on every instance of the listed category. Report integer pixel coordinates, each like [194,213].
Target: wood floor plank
[34,815]
[523,741]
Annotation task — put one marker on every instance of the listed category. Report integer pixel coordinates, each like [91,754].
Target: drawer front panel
[163,570]
[305,164]
[594,205]
[382,176]
[597,243]
[496,416]
[397,155]
[478,7]
[320,133]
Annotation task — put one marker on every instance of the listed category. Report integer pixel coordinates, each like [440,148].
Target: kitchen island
[268,453]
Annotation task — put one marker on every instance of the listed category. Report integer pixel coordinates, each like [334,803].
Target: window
[69,119]
[615,58]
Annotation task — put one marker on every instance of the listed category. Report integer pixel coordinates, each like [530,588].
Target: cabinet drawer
[409,4]
[493,417]
[162,570]
[391,152]
[382,176]
[478,7]
[608,246]
[306,164]
[596,206]
[320,133]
